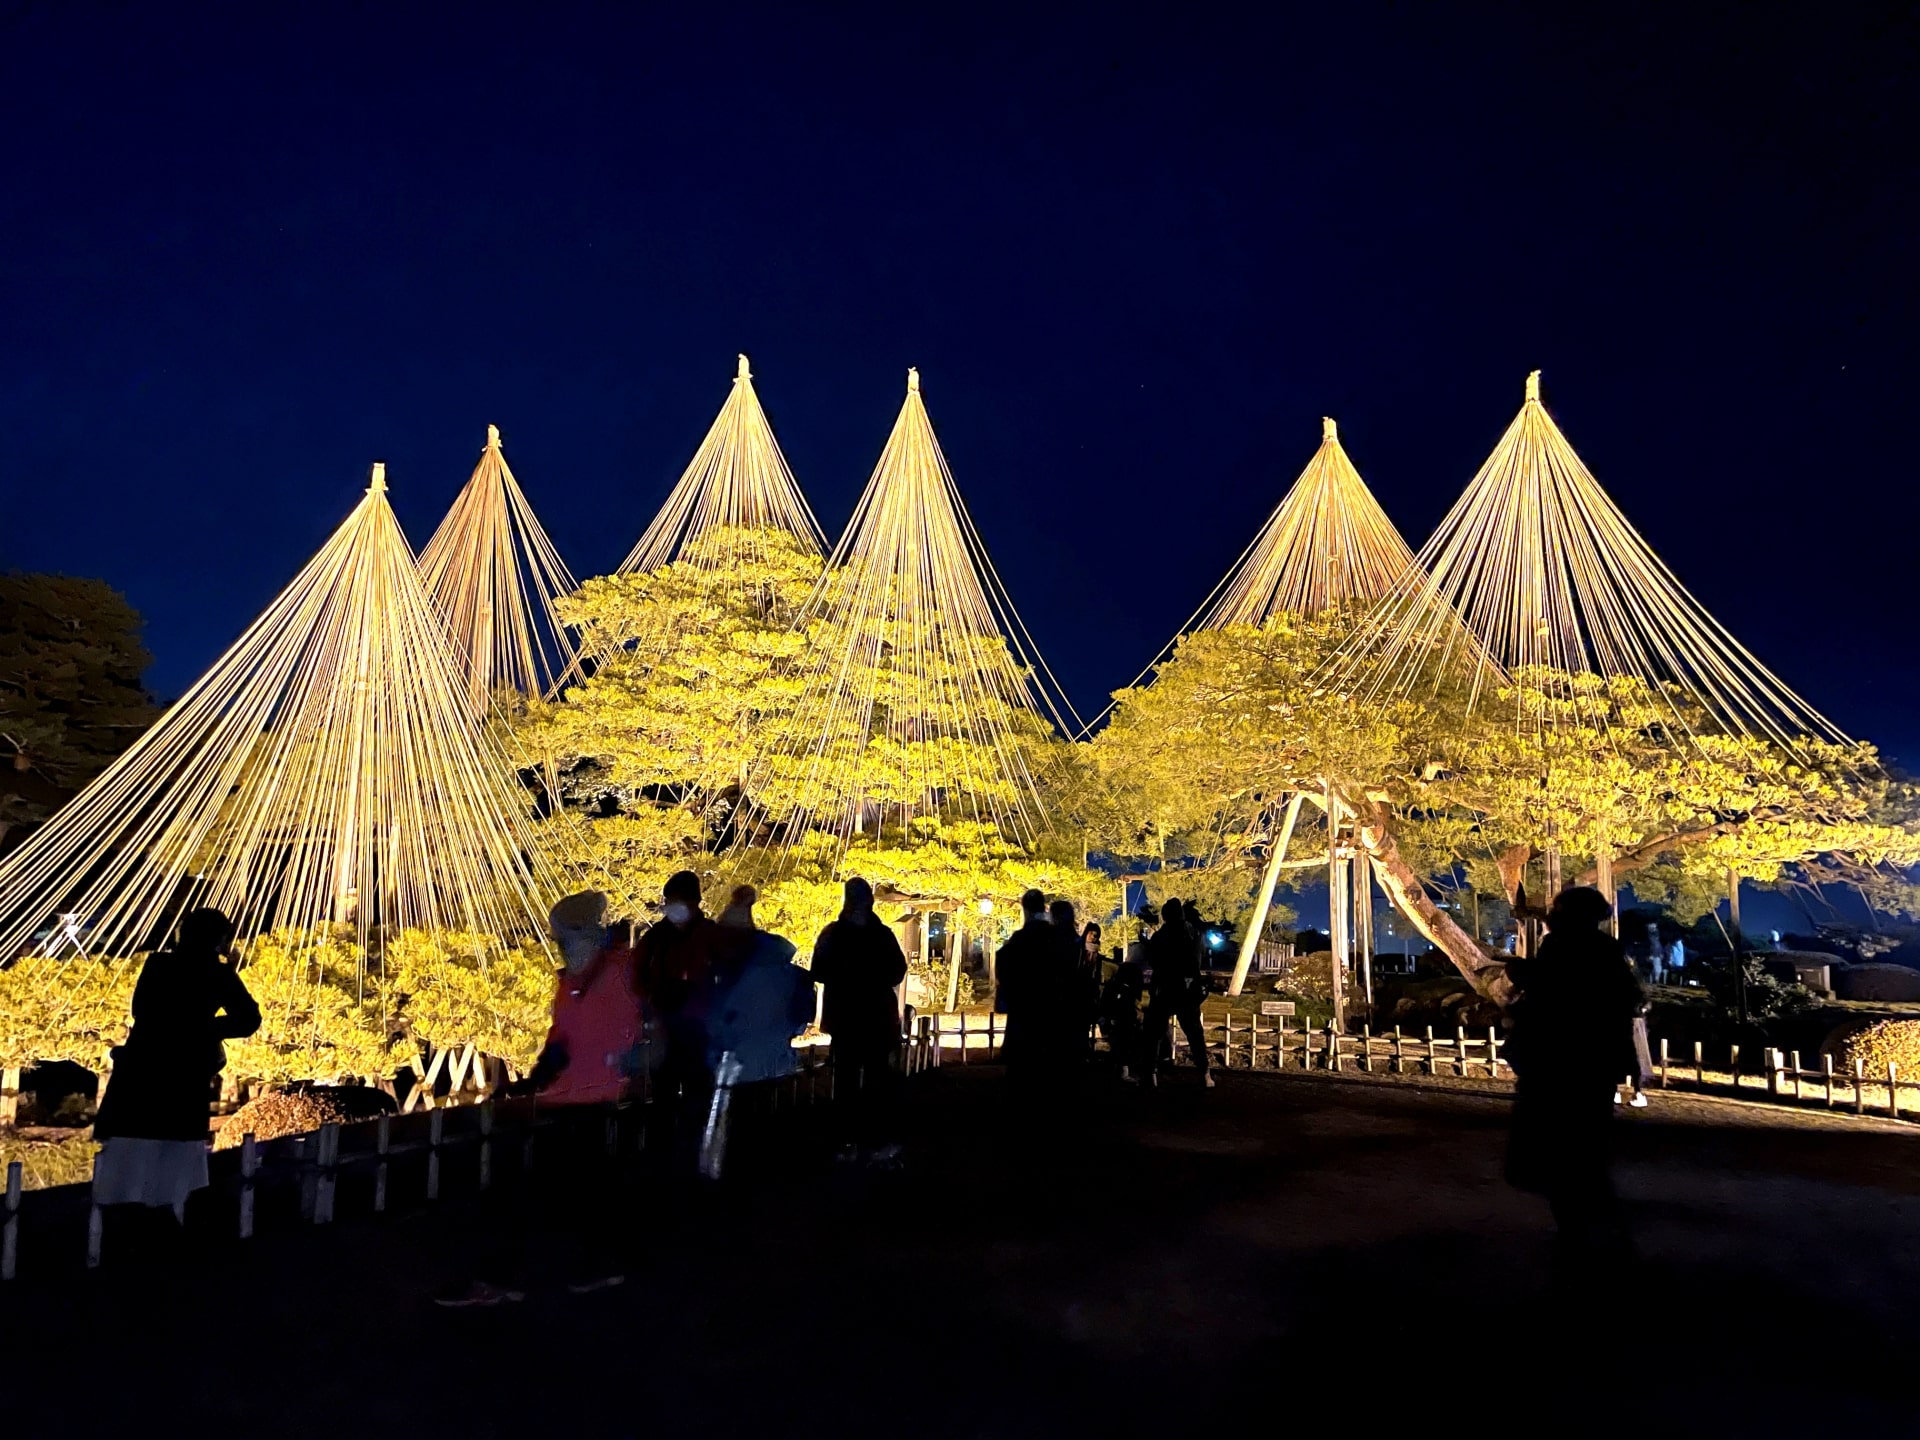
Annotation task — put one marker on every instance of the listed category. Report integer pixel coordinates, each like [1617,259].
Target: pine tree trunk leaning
[1487,974]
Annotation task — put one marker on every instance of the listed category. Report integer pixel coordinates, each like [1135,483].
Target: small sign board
[1276,1007]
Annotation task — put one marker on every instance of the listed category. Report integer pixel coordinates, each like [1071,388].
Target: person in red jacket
[565,1210]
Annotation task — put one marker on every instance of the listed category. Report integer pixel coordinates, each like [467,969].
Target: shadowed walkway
[1263,1253]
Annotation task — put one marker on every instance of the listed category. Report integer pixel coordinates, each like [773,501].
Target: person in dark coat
[1123,1009]
[1035,988]
[859,966]
[155,1118]
[1177,990]
[673,971]
[1092,970]
[1571,1022]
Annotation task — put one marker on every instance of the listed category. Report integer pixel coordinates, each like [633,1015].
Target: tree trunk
[1398,879]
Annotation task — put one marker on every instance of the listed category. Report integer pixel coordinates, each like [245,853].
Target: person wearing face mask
[583,1066]
[675,976]
[858,963]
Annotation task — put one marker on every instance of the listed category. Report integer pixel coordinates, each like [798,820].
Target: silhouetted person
[673,966]
[1572,1021]
[1036,976]
[1176,990]
[155,1118]
[858,963]
[1123,1012]
[1090,982]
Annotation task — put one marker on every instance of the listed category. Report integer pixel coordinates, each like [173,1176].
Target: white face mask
[678,912]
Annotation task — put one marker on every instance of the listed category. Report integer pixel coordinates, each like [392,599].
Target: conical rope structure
[1535,571]
[496,577]
[923,692]
[326,771]
[1327,544]
[738,482]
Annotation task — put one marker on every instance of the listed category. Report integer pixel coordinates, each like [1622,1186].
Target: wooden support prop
[249,1170]
[382,1145]
[436,1131]
[10,1229]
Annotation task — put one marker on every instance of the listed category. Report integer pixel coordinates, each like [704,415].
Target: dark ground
[1262,1256]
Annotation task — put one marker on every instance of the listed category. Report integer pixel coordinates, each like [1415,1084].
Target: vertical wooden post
[382,1143]
[1733,1067]
[1663,1062]
[963,1037]
[1432,1067]
[486,1145]
[1399,1052]
[1493,1053]
[10,1230]
[1859,1087]
[9,1094]
[1460,1052]
[249,1169]
[1796,1075]
[303,1160]
[1699,1065]
[1826,1064]
[329,1162]
[1366,1053]
[1893,1090]
[1226,1058]
[436,1123]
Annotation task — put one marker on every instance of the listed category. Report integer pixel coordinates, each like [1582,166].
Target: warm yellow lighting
[986,907]
[327,768]
[1536,566]
[495,575]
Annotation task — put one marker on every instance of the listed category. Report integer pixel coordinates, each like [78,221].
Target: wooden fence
[309,1169]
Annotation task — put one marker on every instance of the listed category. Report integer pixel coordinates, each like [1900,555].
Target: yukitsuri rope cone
[1536,571]
[1327,544]
[923,693]
[737,483]
[496,577]
[328,770]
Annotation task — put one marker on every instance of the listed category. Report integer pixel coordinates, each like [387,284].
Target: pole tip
[1328,430]
[377,484]
[913,380]
[493,437]
[743,373]
[1533,388]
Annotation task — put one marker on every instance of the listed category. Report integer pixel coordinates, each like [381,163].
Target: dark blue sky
[246,251]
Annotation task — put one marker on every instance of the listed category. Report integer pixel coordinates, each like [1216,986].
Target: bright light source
[986,907]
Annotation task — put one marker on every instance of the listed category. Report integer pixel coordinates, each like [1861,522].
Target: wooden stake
[10,1232]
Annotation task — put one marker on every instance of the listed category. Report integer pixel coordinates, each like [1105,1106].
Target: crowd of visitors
[704,1011]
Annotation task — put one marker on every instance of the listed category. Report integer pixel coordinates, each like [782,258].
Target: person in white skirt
[154,1119]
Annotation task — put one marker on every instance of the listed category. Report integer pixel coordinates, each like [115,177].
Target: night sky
[243,255]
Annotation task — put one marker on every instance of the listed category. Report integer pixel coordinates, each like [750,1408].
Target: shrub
[322,1014]
[46,1161]
[455,990]
[277,1113]
[63,1010]
[1895,1041]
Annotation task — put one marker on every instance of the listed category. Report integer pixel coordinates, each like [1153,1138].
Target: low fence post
[1699,1065]
[1663,1062]
[436,1123]
[1797,1075]
[329,1159]
[249,1168]
[1733,1067]
[1226,1049]
[1493,1053]
[486,1145]
[1776,1062]
[1893,1090]
[382,1143]
[1399,1055]
[1826,1065]
[1432,1066]
[304,1163]
[10,1232]
[1859,1087]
